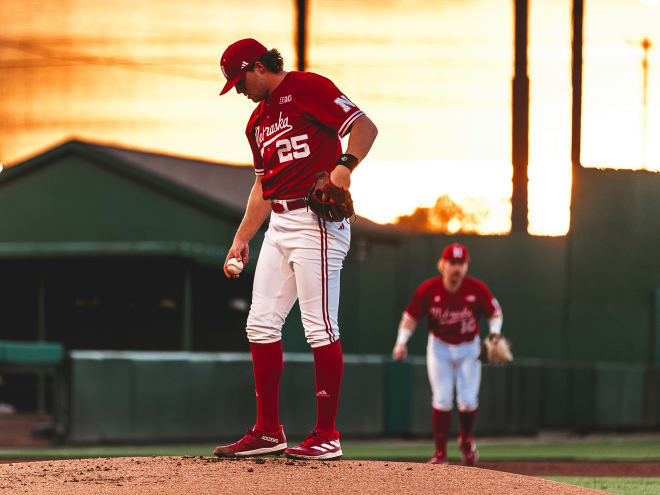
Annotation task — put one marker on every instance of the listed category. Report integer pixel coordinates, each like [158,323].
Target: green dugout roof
[88,199]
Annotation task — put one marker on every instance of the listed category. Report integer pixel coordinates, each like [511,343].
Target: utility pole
[576,166]
[520,122]
[576,77]
[301,33]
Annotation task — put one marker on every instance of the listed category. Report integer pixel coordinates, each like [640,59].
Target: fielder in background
[453,303]
[294,134]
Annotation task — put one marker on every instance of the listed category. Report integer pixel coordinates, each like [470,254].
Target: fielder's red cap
[456,251]
[238,58]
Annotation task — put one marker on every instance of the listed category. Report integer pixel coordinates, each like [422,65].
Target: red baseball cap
[237,58]
[456,251]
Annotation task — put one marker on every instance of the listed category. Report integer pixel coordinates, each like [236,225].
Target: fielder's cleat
[255,442]
[469,452]
[317,445]
[439,458]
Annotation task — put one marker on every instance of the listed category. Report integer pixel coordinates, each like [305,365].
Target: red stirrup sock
[441,422]
[467,422]
[267,366]
[328,367]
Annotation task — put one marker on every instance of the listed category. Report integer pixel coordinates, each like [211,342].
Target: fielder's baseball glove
[337,204]
[497,351]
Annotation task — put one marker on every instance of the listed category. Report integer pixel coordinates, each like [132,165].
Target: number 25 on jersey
[295,147]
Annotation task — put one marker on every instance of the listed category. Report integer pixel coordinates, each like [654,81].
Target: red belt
[293,204]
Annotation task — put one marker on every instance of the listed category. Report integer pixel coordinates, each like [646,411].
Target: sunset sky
[434,76]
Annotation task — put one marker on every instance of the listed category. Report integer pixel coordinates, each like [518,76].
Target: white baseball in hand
[234,266]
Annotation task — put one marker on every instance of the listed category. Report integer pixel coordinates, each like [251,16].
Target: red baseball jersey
[295,133]
[453,316]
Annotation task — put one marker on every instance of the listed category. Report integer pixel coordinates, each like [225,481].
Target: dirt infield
[619,469]
[193,475]
[632,469]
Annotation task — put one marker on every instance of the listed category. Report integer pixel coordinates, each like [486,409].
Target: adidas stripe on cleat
[317,445]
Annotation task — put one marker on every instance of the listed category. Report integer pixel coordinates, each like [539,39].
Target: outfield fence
[120,396]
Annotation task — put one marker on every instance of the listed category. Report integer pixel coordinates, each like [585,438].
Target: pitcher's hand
[239,250]
[400,352]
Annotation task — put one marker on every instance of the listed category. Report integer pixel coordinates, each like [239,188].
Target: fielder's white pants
[454,364]
[301,257]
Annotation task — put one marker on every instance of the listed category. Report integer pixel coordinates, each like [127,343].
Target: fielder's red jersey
[453,316]
[295,132]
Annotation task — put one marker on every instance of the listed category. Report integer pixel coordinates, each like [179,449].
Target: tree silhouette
[444,216]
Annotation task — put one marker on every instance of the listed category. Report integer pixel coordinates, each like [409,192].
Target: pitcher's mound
[207,475]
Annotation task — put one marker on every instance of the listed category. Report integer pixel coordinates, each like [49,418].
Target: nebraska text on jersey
[447,317]
[278,129]
[295,133]
[452,316]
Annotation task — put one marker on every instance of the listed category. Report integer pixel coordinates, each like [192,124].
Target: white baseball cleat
[317,445]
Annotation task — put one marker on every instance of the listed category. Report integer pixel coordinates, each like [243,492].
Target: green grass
[624,449]
[106,451]
[586,450]
[621,486]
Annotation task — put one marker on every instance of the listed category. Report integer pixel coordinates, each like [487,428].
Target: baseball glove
[328,201]
[497,351]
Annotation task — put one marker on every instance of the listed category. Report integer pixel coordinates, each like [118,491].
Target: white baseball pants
[454,364]
[301,257]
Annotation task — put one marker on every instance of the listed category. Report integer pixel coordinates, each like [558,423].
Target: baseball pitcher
[453,304]
[302,180]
